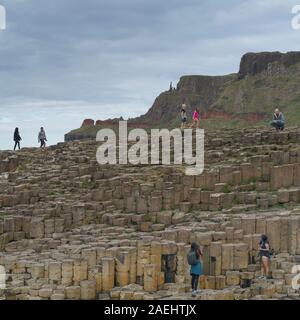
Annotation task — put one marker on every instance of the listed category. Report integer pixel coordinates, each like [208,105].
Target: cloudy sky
[65,60]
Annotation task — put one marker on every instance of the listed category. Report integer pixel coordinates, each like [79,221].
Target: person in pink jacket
[196,116]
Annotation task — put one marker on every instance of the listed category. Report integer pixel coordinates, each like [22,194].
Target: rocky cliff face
[231,97]
[265,80]
[200,91]
[254,63]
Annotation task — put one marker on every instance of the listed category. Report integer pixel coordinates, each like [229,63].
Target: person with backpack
[42,138]
[265,255]
[17,139]
[194,260]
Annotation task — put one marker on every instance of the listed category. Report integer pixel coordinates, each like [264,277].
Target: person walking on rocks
[278,121]
[194,260]
[183,116]
[264,253]
[17,138]
[42,138]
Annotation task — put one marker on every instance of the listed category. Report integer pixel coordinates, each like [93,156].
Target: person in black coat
[17,138]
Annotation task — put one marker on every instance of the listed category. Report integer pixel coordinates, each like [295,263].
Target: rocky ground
[72,229]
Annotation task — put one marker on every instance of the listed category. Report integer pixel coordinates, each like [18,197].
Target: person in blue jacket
[196,269]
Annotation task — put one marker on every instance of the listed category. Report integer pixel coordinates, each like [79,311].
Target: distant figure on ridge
[17,138]
[183,116]
[42,138]
[278,121]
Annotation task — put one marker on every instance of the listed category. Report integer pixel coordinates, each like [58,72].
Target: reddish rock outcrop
[88,122]
[109,122]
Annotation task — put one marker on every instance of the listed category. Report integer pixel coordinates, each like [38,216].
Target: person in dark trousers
[183,116]
[278,121]
[264,253]
[42,138]
[196,266]
[17,138]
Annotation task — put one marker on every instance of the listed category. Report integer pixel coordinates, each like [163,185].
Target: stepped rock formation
[265,80]
[73,229]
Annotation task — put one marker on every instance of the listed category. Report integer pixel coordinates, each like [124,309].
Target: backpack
[191,258]
[271,250]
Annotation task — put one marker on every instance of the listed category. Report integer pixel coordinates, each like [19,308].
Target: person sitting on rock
[194,260]
[17,138]
[278,121]
[42,138]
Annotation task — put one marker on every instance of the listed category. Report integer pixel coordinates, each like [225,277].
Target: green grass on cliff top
[291,112]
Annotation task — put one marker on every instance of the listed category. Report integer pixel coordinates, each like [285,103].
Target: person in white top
[42,138]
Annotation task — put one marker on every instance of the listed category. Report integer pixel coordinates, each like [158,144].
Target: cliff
[255,63]
[264,81]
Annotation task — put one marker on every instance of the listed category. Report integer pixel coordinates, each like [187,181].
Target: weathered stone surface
[77,230]
[73,292]
[88,290]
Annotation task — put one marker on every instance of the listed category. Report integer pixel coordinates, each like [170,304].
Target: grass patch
[227,189]
[2,215]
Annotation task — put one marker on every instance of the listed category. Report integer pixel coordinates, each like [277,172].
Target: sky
[62,61]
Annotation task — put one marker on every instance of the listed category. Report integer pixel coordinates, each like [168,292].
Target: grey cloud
[115,51]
